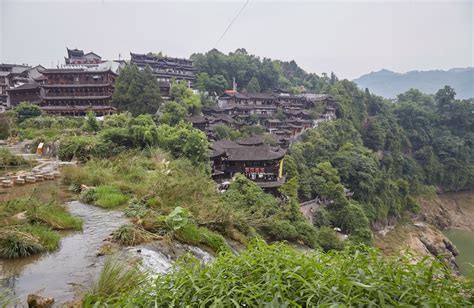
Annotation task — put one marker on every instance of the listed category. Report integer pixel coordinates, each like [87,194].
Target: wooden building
[75,91]
[251,157]
[166,69]
[28,92]
[76,57]
[11,75]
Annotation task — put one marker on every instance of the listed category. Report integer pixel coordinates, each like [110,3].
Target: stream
[75,265]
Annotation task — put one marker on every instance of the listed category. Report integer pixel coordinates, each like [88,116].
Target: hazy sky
[350,38]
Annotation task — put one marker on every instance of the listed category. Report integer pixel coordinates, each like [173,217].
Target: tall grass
[279,276]
[16,244]
[27,227]
[118,276]
[105,196]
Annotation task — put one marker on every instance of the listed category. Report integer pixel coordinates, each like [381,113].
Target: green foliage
[277,275]
[225,132]
[25,110]
[184,96]
[118,276]
[91,124]
[263,212]
[27,227]
[8,159]
[7,125]
[106,196]
[184,141]
[177,219]
[194,235]
[216,71]
[172,113]
[136,91]
[253,86]
[13,246]
[215,85]
[328,239]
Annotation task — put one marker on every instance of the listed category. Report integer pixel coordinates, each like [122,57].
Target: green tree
[172,113]
[25,110]
[375,136]
[253,86]
[183,95]
[91,124]
[136,91]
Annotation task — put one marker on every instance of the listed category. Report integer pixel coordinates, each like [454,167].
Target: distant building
[11,75]
[166,69]
[76,57]
[257,161]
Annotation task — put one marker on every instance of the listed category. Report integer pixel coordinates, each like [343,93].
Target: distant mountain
[389,84]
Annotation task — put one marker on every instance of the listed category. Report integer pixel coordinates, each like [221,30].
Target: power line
[231,23]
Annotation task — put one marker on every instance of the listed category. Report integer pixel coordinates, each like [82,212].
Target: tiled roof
[239,152]
[26,86]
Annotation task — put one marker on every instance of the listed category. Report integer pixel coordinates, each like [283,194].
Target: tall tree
[253,86]
[136,91]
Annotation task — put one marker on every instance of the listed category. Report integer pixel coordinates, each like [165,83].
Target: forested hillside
[389,84]
[216,71]
[384,153]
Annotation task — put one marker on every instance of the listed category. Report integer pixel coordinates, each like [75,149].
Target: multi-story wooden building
[166,69]
[250,157]
[75,91]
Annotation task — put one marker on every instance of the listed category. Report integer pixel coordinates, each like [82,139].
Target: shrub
[105,196]
[18,245]
[194,235]
[328,240]
[279,276]
[109,197]
[8,159]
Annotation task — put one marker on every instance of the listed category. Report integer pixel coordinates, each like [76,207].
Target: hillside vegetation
[279,276]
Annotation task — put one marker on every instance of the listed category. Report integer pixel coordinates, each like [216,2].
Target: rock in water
[37,301]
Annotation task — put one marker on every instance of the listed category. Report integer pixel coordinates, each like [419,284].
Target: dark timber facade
[166,69]
[75,91]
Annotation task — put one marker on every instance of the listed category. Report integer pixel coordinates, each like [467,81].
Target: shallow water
[60,274]
[464,242]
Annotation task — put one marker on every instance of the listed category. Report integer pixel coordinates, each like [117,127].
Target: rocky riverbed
[423,233]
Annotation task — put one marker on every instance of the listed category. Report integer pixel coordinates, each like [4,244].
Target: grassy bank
[149,187]
[29,226]
[277,275]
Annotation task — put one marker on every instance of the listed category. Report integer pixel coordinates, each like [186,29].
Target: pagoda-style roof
[81,70]
[253,140]
[239,152]
[247,96]
[75,53]
[77,108]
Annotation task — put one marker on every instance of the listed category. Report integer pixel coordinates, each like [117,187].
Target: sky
[349,38]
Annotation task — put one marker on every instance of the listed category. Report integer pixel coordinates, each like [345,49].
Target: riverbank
[423,233]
